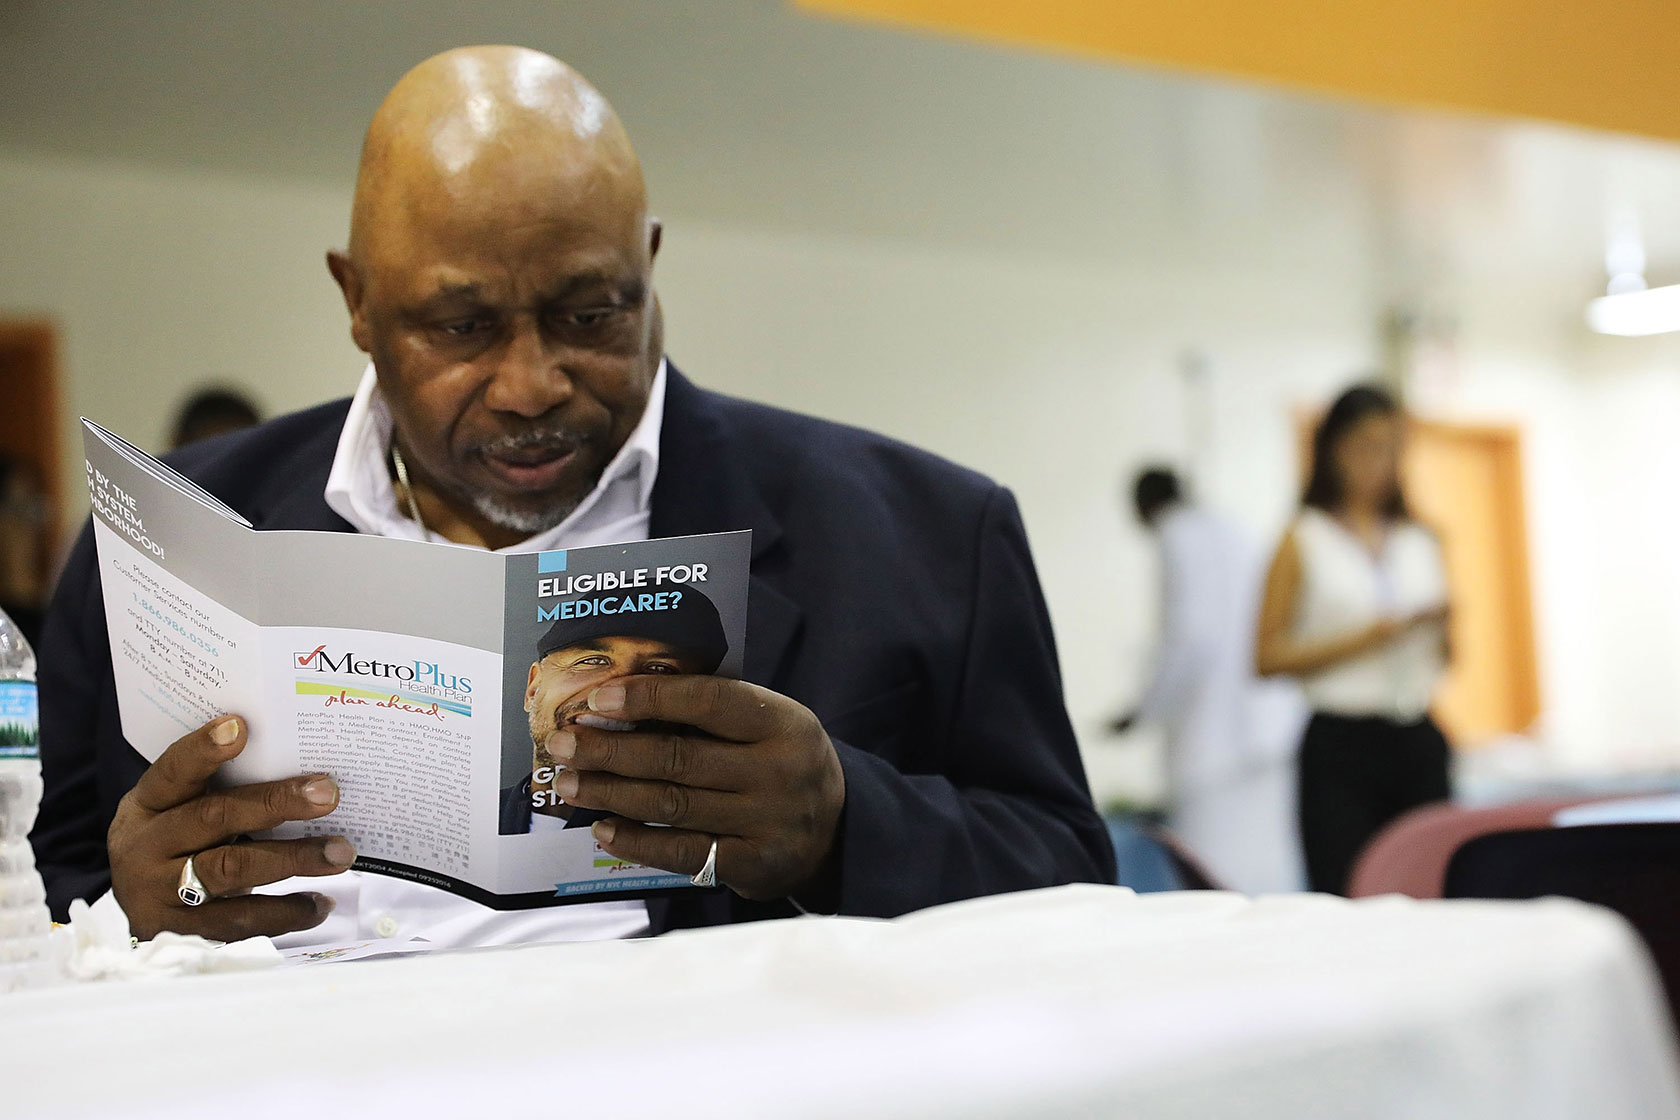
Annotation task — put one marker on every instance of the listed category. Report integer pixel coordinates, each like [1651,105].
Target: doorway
[31,478]
[1465,481]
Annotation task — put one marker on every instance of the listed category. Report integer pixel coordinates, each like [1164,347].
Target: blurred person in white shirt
[1229,736]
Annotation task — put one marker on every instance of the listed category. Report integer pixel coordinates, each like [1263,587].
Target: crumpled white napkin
[96,946]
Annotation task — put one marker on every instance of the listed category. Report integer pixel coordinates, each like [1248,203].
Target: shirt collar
[359,487]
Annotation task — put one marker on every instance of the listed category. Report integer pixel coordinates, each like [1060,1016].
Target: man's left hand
[749,768]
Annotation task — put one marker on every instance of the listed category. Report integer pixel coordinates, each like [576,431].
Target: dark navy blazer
[891,592]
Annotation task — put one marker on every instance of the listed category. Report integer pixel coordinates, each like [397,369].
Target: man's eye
[591,318]
[461,328]
[591,662]
[656,667]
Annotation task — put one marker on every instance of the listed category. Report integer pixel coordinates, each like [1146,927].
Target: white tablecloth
[1082,1001]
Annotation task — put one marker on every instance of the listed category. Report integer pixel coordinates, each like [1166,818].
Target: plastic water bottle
[24,922]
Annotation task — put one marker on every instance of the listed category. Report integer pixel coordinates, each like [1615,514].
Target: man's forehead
[553,276]
[450,254]
[512,191]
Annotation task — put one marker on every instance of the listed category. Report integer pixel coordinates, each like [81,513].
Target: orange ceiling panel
[1612,64]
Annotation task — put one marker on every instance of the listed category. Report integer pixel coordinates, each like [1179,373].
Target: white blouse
[1345,587]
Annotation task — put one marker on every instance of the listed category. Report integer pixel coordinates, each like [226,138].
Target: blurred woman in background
[1355,606]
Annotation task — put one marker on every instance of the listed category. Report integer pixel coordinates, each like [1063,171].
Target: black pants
[1356,776]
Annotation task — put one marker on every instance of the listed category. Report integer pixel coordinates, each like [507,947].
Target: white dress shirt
[1203,674]
[1229,736]
[1223,721]
[359,489]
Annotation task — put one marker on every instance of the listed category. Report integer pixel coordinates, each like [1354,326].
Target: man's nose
[530,376]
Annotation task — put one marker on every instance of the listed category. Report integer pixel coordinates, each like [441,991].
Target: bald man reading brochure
[898,738]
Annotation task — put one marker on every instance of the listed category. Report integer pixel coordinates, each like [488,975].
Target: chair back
[1410,855]
[1633,869]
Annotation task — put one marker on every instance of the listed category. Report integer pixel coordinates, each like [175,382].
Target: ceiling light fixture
[1636,313]
[1629,306]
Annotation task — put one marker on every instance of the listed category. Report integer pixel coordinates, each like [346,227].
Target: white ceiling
[749,113]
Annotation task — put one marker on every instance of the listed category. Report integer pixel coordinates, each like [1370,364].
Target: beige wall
[1055,376]
[160,281]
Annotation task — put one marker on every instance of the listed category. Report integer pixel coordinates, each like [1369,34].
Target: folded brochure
[425,678]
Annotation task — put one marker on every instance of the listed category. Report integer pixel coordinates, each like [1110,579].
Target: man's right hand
[171,814]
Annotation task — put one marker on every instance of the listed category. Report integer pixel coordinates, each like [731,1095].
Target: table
[1663,809]
[1073,1002]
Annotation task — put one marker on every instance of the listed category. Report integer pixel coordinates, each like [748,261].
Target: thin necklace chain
[407,490]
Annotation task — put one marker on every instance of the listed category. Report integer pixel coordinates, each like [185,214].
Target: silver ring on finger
[707,875]
[191,888]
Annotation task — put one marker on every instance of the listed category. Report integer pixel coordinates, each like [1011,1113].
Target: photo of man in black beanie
[576,656]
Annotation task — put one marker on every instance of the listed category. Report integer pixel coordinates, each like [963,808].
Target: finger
[216,818]
[669,849]
[184,769]
[663,756]
[656,802]
[232,868]
[727,709]
[257,915]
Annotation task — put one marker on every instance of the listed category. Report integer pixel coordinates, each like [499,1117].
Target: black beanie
[691,625]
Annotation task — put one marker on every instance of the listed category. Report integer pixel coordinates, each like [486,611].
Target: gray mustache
[549,439]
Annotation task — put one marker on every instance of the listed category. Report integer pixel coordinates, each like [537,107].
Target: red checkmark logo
[304,660]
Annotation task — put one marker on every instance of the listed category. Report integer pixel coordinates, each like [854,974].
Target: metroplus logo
[348,664]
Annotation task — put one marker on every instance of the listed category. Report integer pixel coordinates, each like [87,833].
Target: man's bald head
[499,273]
[480,126]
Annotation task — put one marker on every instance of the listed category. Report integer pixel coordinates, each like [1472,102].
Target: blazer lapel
[703,487]
[296,499]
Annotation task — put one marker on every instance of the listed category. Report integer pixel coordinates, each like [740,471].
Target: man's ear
[531,686]
[656,230]
[350,283]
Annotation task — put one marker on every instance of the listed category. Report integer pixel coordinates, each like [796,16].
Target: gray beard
[527,521]
[519,519]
